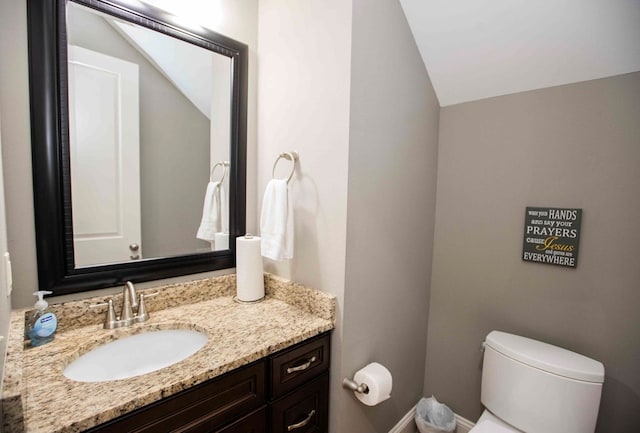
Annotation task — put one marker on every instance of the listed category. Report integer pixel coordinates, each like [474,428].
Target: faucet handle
[110,320]
[143,315]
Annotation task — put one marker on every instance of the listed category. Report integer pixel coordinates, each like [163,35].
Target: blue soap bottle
[42,325]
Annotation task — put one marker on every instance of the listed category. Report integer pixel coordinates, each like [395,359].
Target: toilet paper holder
[354,386]
[372,384]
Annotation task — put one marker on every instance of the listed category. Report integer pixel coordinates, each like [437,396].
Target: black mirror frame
[50,150]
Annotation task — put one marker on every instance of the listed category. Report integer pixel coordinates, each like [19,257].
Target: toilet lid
[488,426]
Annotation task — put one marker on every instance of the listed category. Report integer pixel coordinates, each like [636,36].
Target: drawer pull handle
[302,367]
[302,423]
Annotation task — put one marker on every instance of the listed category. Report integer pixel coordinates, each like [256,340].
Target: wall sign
[552,236]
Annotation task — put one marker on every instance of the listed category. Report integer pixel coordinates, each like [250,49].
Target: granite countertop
[37,398]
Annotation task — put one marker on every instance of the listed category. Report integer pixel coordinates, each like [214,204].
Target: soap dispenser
[42,325]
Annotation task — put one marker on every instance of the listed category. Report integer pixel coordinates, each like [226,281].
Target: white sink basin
[135,355]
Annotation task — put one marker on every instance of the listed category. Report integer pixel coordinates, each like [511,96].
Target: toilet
[533,387]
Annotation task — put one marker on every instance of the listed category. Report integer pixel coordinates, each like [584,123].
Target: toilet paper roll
[249,273]
[379,381]
[221,241]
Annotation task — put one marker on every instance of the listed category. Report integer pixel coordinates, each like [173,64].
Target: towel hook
[291,156]
[224,165]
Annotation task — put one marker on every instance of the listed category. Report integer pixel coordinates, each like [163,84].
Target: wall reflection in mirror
[149,134]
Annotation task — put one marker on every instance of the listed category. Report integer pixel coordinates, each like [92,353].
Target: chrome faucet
[127,315]
[129,302]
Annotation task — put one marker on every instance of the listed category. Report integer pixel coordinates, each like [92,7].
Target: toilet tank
[540,388]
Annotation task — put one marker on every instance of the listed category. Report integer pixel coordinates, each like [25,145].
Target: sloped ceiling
[187,66]
[475,49]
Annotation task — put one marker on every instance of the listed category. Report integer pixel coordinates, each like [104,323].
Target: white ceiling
[475,49]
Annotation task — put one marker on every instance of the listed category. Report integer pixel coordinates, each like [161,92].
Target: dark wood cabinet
[299,393]
[255,422]
[305,410]
[297,365]
[285,392]
[203,408]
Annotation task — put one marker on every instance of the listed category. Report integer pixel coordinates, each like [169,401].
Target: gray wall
[570,146]
[16,149]
[7,50]
[391,211]
[174,145]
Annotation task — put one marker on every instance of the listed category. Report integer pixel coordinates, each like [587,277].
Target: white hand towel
[212,212]
[276,221]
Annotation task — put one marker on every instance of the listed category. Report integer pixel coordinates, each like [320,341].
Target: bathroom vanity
[264,368]
[298,382]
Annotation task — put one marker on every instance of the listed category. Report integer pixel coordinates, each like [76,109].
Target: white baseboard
[407,425]
[464,425]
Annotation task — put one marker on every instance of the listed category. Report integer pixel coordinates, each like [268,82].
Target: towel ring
[291,156]
[224,165]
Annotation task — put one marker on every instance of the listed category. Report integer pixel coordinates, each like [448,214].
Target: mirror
[138,141]
[149,119]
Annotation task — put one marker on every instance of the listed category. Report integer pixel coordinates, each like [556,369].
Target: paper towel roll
[221,241]
[379,381]
[249,274]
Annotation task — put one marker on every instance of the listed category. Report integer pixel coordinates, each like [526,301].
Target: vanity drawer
[303,411]
[203,408]
[295,366]
[255,422]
